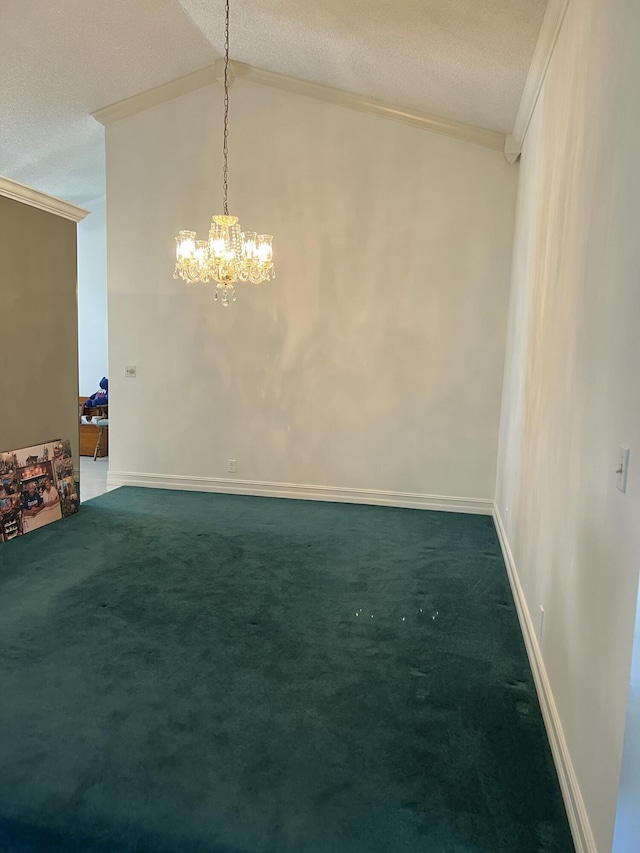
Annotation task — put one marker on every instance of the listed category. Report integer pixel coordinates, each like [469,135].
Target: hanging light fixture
[230,254]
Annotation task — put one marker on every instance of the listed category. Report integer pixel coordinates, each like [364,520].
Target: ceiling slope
[61,60]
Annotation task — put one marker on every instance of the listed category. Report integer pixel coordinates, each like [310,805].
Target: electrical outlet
[231,466]
[130,371]
[541,620]
[623,467]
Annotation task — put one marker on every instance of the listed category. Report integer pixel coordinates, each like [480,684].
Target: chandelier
[229,255]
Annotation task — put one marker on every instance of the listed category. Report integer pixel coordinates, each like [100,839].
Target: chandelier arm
[225,145]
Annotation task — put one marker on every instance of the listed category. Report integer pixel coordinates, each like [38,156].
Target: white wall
[92,299]
[571,394]
[375,359]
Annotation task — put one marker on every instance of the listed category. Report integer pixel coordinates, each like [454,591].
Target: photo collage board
[37,487]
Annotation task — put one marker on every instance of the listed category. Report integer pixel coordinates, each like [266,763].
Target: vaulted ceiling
[60,60]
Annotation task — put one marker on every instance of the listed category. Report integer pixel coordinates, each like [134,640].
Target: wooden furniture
[94,440]
[103,426]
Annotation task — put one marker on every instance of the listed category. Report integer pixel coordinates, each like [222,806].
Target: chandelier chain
[225,145]
[230,255]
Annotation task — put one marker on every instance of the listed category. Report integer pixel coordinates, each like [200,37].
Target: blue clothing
[29,502]
[100,398]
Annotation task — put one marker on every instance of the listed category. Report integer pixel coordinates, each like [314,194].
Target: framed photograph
[37,487]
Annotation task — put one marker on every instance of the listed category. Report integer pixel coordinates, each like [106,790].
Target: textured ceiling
[62,59]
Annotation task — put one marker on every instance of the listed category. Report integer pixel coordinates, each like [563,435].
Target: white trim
[35,198]
[153,97]
[547,39]
[476,135]
[336,494]
[512,150]
[416,118]
[574,803]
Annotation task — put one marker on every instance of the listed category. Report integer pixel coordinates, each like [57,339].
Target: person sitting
[32,503]
[50,496]
[100,398]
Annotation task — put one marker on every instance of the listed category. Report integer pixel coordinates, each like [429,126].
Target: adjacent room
[320,537]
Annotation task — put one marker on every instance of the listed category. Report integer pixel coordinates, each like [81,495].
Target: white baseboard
[300,492]
[574,804]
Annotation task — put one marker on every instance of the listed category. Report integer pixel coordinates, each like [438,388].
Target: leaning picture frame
[37,487]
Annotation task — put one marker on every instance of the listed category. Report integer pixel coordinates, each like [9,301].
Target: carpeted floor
[186,672]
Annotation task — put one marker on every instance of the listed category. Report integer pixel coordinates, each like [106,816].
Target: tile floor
[93,477]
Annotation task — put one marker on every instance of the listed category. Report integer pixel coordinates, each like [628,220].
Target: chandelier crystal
[229,255]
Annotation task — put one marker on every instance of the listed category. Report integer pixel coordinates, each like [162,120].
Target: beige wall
[571,392]
[373,362]
[38,327]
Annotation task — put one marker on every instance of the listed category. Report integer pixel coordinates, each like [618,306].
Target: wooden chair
[102,423]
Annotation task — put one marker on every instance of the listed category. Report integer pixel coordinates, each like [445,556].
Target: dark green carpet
[188,672]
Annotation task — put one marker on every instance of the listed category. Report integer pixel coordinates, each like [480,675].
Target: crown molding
[204,77]
[153,97]
[512,150]
[35,198]
[426,121]
[549,31]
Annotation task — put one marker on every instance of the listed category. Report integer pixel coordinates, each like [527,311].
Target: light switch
[623,468]
[130,371]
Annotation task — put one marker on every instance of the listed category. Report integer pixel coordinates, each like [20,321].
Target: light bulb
[249,245]
[265,249]
[185,245]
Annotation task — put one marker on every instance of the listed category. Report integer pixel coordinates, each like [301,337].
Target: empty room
[319,426]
